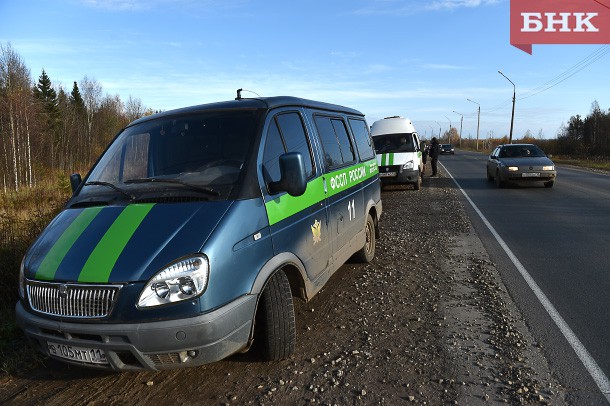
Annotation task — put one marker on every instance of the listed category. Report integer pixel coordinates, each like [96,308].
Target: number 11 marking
[351,207]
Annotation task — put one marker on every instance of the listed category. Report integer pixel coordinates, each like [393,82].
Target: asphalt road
[561,238]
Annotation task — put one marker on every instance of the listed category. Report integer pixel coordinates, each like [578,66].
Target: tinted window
[338,149]
[274,147]
[345,145]
[330,144]
[295,138]
[362,138]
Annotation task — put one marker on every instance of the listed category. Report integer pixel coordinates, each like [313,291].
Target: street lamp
[461,122]
[449,133]
[512,118]
[478,120]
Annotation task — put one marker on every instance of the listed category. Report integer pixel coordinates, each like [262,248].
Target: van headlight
[408,165]
[183,280]
[548,168]
[513,168]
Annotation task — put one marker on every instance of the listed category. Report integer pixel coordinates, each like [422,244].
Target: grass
[23,216]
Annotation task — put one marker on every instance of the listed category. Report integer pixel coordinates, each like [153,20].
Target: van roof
[255,103]
[392,125]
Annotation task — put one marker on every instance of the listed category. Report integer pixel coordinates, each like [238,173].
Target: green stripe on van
[387,159]
[336,182]
[50,263]
[107,251]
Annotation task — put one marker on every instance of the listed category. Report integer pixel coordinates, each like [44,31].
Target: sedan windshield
[521,151]
[201,154]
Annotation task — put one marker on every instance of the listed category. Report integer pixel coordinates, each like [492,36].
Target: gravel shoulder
[427,322]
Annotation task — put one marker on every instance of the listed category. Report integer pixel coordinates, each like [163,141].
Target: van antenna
[244,90]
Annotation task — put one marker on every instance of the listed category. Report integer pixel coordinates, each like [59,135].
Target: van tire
[275,323]
[367,252]
[417,184]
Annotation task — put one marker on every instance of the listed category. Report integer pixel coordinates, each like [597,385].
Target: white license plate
[80,354]
[530,175]
[386,174]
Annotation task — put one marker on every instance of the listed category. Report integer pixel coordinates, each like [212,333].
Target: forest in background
[48,131]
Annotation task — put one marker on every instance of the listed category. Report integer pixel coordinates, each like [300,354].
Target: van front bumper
[395,174]
[161,345]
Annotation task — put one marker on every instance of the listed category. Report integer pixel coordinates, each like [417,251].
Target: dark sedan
[520,163]
[447,149]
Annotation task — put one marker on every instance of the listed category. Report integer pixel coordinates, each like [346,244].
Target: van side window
[338,148]
[286,134]
[274,147]
[295,138]
[362,138]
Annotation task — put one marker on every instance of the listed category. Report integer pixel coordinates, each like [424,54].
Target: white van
[399,155]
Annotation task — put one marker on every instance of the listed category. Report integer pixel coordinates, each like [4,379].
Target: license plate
[80,354]
[530,175]
[386,174]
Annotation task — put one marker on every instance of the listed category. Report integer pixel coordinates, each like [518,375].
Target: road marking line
[587,360]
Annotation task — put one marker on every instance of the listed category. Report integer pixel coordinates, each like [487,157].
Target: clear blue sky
[417,59]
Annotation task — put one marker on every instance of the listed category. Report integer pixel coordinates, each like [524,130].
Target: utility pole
[461,123]
[478,120]
[512,117]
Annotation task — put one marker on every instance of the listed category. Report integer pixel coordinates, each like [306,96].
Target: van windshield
[202,154]
[394,143]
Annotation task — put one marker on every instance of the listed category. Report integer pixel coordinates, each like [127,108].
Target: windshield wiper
[203,189]
[111,186]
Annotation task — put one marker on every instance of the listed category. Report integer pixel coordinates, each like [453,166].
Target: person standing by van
[434,152]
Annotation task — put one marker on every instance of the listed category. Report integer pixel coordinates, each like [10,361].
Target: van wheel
[417,185]
[275,326]
[367,252]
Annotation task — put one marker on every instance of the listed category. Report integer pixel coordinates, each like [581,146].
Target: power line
[587,61]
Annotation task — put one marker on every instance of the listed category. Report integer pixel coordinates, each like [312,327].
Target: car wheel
[489,177]
[417,184]
[549,184]
[499,182]
[367,252]
[275,326]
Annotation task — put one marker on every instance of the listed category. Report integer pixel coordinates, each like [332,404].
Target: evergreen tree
[47,97]
[76,100]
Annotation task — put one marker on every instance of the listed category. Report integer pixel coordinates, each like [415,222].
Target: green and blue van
[190,236]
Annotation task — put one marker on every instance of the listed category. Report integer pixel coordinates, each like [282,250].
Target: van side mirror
[75,181]
[293,179]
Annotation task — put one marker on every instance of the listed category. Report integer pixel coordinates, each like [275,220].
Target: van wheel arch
[274,329]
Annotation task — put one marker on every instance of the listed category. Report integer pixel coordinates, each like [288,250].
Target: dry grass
[23,216]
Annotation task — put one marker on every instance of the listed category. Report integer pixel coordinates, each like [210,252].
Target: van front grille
[72,300]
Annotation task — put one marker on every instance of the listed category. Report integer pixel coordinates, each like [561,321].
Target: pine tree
[47,96]
[76,100]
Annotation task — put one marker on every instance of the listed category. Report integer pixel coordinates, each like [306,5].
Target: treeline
[47,129]
[589,136]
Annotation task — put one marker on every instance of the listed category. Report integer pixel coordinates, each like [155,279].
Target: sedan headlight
[183,280]
[548,168]
[408,165]
[513,168]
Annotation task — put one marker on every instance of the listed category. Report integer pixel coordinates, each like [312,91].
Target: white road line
[587,360]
